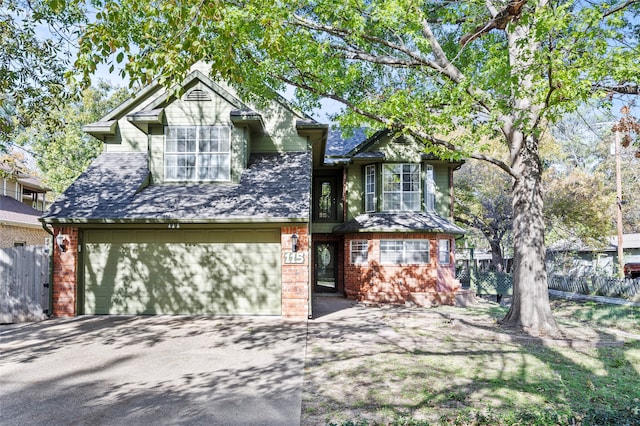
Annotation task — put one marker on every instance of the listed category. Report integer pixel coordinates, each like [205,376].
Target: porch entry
[325,262]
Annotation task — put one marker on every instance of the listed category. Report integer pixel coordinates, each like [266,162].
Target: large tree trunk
[497,261]
[530,307]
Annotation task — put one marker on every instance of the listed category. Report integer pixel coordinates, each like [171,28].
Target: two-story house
[23,198]
[205,204]
[381,224]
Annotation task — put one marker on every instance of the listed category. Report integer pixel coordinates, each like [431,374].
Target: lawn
[456,366]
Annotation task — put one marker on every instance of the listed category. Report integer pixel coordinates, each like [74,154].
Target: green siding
[443,198]
[355,188]
[182,272]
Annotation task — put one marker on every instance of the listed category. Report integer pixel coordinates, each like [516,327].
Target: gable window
[401,187]
[370,188]
[429,189]
[444,252]
[359,252]
[197,153]
[404,251]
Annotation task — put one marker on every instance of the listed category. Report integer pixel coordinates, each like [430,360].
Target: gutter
[169,220]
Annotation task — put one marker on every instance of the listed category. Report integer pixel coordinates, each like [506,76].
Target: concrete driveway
[152,370]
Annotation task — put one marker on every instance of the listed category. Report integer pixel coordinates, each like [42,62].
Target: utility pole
[619,203]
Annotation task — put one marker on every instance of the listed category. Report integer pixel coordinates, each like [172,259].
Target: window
[198,153]
[370,188]
[404,251]
[359,252]
[444,252]
[429,189]
[401,187]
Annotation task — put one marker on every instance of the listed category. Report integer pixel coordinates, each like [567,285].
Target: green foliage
[577,206]
[63,152]
[35,40]
[376,56]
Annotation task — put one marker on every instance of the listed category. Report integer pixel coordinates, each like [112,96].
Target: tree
[503,69]
[35,51]
[64,152]
[483,202]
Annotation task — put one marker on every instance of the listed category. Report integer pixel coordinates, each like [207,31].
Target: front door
[325,267]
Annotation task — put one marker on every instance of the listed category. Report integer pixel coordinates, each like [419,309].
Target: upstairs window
[197,153]
[401,187]
[370,188]
[429,189]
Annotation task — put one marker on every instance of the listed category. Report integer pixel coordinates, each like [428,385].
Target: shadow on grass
[399,366]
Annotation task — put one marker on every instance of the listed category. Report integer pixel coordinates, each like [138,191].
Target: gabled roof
[27,180]
[153,98]
[14,212]
[356,146]
[400,222]
[274,187]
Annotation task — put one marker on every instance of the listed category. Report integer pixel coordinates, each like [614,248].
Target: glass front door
[325,267]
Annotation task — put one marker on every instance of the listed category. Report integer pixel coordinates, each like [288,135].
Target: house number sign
[293,258]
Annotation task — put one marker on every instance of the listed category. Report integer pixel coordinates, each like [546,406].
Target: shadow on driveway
[157,369]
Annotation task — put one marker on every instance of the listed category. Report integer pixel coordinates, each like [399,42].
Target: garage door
[182,272]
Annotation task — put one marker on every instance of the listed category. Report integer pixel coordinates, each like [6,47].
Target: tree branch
[620,7]
[344,34]
[498,21]
[623,89]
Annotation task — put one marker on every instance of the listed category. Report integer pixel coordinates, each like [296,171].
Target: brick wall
[295,273]
[376,282]
[9,235]
[65,277]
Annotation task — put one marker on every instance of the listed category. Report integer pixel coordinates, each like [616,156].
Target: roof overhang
[142,119]
[311,127]
[248,118]
[101,129]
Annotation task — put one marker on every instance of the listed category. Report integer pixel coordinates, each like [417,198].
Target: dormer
[201,132]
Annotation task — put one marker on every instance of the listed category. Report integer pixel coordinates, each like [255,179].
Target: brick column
[295,273]
[65,274]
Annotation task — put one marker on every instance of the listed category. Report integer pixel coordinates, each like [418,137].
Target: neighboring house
[22,201]
[569,256]
[203,204]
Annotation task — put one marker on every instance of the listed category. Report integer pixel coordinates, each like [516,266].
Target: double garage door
[178,271]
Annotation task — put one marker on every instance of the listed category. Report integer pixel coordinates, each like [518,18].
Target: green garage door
[182,272]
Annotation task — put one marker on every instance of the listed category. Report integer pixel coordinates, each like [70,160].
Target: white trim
[365,248]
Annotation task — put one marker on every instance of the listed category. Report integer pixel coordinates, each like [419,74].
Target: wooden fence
[24,284]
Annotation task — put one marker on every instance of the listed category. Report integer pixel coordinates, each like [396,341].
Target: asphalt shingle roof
[274,186]
[337,145]
[399,222]
[13,210]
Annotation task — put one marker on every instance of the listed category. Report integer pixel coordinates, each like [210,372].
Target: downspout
[50,284]
[309,237]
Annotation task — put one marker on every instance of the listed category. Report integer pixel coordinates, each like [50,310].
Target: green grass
[445,377]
